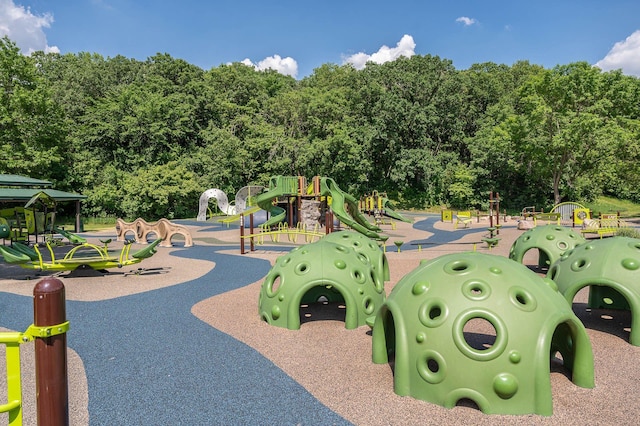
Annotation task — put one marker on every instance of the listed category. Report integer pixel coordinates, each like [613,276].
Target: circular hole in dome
[479,334]
[476,289]
[358,276]
[275,283]
[435,312]
[460,267]
[363,258]
[368,306]
[579,264]
[562,245]
[522,298]
[457,267]
[431,366]
[302,268]
[356,243]
[341,249]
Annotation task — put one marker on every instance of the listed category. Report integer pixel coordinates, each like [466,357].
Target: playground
[177,339]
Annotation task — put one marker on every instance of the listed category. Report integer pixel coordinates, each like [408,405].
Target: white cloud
[405,47]
[285,66]
[24,28]
[624,55]
[466,21]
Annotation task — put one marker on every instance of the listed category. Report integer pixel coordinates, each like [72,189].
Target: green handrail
[12,341]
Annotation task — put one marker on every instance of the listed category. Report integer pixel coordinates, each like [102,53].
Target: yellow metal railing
[283,229]
[12,341]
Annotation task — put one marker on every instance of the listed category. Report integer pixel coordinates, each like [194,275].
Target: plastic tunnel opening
[468,403]
[322,303]
[390,339]
[536,259]
[562,351]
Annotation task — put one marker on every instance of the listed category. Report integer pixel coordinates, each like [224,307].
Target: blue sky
[294,37]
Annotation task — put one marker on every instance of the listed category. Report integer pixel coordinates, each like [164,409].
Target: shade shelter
[16,190]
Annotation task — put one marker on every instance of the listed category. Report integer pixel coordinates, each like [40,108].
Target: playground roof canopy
[22,181]
[15,188]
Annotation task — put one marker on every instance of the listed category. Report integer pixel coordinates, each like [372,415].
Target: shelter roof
[25,194]
[22,181]
[20,189]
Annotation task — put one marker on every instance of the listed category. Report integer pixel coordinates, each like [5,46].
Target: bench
[464,218]
[602,226]
[549,218]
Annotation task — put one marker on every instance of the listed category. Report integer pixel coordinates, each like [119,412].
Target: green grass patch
[614,205]
[89,224]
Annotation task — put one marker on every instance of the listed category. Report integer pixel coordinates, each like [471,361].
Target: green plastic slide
[279,186]
[356,219]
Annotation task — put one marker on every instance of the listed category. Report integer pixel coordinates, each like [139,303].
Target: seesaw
[83,255]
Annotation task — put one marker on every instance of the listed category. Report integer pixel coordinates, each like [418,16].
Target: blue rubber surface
[149,361]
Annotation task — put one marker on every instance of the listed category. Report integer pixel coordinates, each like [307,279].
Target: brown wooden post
[52,396]
[290,213]
[326,222]
[498,212]
[491,209]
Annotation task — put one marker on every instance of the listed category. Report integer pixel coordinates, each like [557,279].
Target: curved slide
[221,198]
[279,186]
[353,217]
[389,211]
[246,193]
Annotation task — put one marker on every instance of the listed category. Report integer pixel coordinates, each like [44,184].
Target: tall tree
[558,134]
[32,131]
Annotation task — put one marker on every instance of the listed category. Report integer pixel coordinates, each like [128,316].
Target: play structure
[343,269]
[163,229]
[566,213]
[23,223]
[81,256]
[551,242]
[609,267]
[289,199]
[377,204]
[243,200]
[474,326]
[22,196]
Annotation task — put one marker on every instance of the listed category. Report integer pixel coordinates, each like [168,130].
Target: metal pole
[77,224]
[241,234]
[252,247]
[52,396]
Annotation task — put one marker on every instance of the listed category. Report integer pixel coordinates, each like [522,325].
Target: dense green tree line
[146,138]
